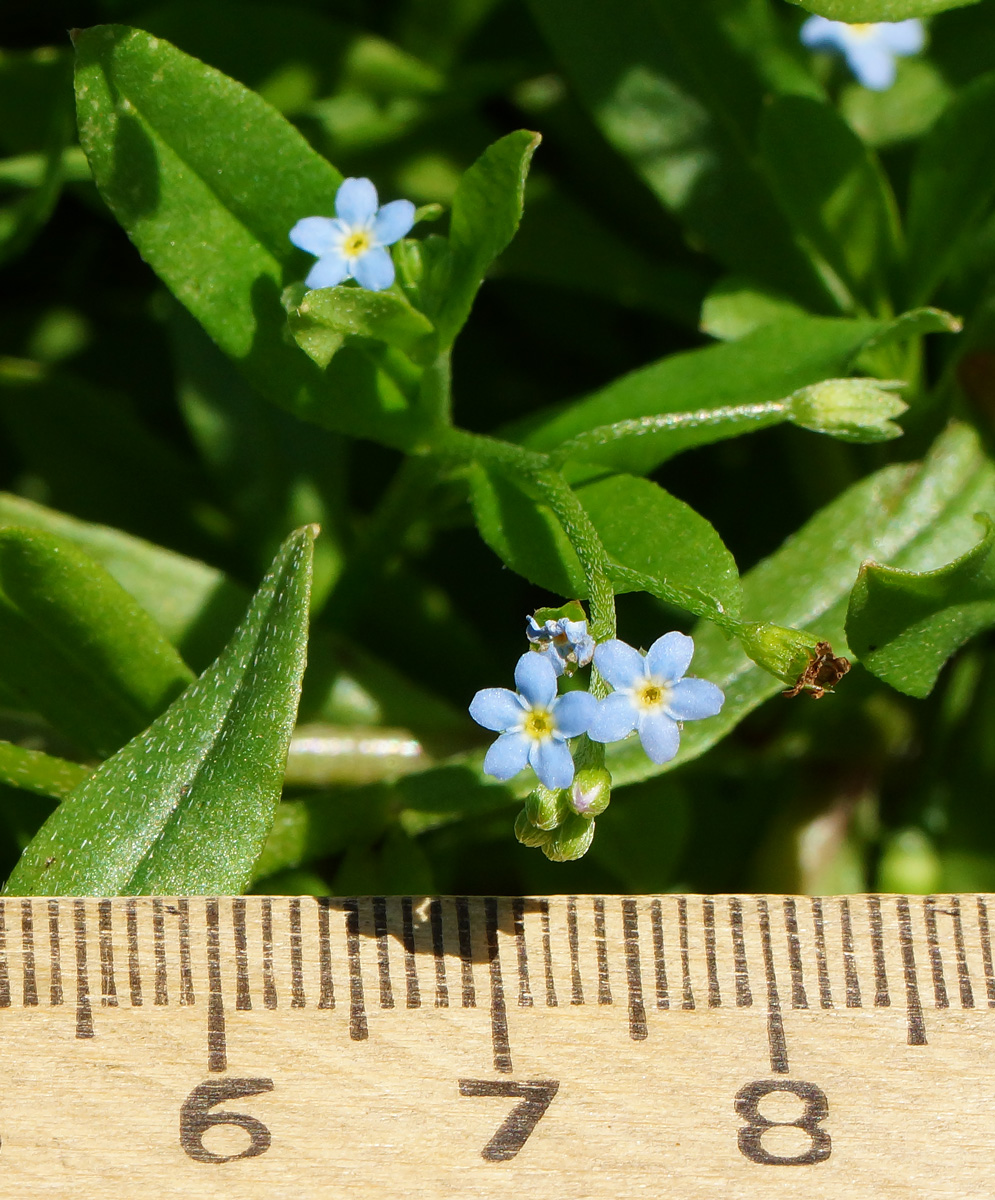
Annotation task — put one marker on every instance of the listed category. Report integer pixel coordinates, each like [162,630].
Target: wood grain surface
[688,1046]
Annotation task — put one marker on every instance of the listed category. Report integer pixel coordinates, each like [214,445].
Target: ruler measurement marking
[775,1022]
[134,961]
[913,1004]
[298,999]
[326,994]
[105,934]
[55,996]
[383,961]
[412,993]
[573,938]
[243,996]
[500,1043]
[358,1028]
[182,912]
[547,955]
[467,989]
[822,966]
[521,948]
[659,961]
[744,997]
[799,999]
[935,958]
[159,947]
[963,974]
[217,1045]
[708,914]
[439,954]
[270,999]
[601,945]
[29,986]
[986,950]
[4,969]
[687,1001]
[881,996]
[849,958]
[84,1015]
[633,975]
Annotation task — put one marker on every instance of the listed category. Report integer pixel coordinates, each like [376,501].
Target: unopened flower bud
[529,834]
[854,410]
[785,653]
[571,840]
[591,792]
[546,808]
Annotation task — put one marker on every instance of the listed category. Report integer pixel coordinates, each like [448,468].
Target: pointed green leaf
[186,807]
[904,625]
[43,774]
[324,318]
[208,179]
[76,647]
[855,11]
[487,208]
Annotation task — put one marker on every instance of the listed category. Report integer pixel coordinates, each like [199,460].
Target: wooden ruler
[685,1046]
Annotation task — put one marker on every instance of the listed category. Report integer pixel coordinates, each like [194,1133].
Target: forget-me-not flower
[651,694]
[869,49]
[353,244]
[533,723]
[562,641]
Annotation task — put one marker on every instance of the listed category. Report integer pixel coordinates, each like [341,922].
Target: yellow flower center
[862,28]
[358,242]
[650,694]
[539,723]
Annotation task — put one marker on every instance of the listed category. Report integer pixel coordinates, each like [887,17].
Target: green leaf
[43,774]
[764,366]
[324,318]
[838,201]
[855,11]
[186,807]
[916,516]
[76,647]
[952,186]
[904,625]
[735,307]
[208,180]
[487,208]
[674,90]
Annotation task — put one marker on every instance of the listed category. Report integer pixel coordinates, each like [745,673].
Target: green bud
[854,410]
[785,653]
[572,840]
[591,792]
[527,833]
[573,610]
[546,808]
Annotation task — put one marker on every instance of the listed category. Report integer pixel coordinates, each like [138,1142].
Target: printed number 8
[751,1135]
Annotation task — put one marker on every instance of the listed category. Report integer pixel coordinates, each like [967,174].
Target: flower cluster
[652,695]
[870,49]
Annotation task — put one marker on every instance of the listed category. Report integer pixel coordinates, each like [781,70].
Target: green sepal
[570,840]
[323,319]
[529,834]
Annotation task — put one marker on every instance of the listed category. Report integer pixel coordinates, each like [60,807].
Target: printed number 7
[535,1095]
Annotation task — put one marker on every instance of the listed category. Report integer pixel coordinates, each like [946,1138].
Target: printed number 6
[195,1119]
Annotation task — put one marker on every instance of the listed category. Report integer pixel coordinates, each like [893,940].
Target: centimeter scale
[685,1046]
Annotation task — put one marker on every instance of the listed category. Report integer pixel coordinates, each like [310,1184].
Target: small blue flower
[534,724]
[651,694]
[869,49]
[561,641]
[353,244]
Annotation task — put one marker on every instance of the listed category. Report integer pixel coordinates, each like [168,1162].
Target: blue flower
[562,642]
[353,244]
[869,49]
[651,694]
[534,724]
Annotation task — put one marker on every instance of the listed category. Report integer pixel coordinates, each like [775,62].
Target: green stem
[435,392]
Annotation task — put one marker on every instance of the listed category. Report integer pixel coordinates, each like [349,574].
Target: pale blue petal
[615,719]
[328,271]
[508,755]
[552,762]
[660,736]
[551,656]
[536,632]
[316,235]
[872,64]
[393,221]
[536,679]
[574,713]
[374,269]
[819,33]
[356,201]
[497,709]
[620,664]
[669,656]
[902,37]
[694,699]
